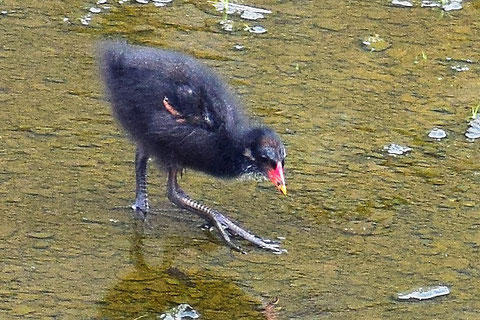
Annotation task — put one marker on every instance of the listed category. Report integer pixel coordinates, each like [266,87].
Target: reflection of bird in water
[177,111]
[147,291]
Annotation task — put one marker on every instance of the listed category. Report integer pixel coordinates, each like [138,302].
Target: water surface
[360,226]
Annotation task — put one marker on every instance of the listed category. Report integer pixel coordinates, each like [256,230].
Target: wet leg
[141,200]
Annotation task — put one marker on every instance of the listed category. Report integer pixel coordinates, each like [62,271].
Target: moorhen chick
[179,112]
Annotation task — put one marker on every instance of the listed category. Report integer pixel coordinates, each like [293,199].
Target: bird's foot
[227,228]
[141,207]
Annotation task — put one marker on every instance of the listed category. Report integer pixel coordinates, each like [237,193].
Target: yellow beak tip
[283,189]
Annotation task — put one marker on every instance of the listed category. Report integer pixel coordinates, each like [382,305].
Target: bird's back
[171,105]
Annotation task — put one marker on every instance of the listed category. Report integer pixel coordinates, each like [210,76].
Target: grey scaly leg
[141,199]
[216,218]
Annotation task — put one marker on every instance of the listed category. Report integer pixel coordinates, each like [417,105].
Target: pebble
[424,293]
[142,1]
[101,1]
[396,149]
[437,133]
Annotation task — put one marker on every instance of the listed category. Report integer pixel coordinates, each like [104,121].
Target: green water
[359,225]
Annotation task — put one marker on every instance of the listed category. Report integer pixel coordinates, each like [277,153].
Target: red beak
[277,178]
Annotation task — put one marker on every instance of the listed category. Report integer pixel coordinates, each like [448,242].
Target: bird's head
[265,153]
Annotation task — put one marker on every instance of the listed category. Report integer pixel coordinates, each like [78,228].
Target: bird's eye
[264,159]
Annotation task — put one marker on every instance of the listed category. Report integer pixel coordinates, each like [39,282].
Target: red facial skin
[277,178]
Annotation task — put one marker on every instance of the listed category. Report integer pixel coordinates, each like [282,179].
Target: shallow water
[360,225]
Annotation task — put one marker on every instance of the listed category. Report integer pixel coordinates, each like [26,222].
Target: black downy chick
[178,111]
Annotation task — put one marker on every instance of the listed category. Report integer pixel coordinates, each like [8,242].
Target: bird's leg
[141,199]
[216,218]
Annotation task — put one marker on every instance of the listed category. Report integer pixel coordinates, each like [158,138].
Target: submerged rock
[396,149]
[375,43]
[182,312]
[424,293]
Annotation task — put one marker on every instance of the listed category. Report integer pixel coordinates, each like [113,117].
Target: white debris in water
[238,8]
[238,47]
[396,149]
[95,10]
[424,293]
[101,1]
[142,1]
[251,15]
[256,29]
[452,5]
[162,1]
[460,68]
[401,3]
[85,20]
[3,12]
[227,25]
[473,131]
[430,4]
[437,133]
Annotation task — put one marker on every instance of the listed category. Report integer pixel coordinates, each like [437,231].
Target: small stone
[101,1]
[3,12]
[95,10]
[238,47]
[437,133]
[142,1]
